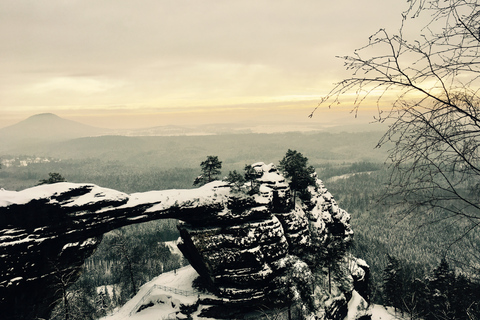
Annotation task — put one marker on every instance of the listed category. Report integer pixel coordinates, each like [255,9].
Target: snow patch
[357,307]
[166,292]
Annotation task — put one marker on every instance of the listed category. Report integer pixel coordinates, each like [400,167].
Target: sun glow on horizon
[113,64]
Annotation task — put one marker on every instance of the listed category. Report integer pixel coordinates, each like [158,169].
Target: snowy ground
[171,289]
[166,292]
[172,245]
[346,176]
[384,313]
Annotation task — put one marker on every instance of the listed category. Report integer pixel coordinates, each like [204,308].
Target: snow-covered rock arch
[234,240]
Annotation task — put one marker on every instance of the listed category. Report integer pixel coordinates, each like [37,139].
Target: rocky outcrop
[237,238]
[48,231]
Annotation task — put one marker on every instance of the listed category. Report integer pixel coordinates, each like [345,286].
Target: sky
[132,64]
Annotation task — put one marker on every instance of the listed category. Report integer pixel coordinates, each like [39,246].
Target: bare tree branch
[427,88]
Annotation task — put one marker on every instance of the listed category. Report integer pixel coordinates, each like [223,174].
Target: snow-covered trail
[385,313]
[166,292]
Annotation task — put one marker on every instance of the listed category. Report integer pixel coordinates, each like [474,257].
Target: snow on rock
[380,312]
[161,297]
[65,193]
[234,239]
[48,231]
[173,247]
[357,307]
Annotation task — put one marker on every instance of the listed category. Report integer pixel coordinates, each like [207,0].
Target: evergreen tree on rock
[294,167]
[250,176]
[210,171]
[236,180]
[54,177]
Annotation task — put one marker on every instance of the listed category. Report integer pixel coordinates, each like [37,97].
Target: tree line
[439,294]
[371,221]
[125,259]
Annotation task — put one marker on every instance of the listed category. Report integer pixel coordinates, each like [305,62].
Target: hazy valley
[349,163]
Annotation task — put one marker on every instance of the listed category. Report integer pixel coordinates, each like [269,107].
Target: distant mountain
[45,127]
[47,131]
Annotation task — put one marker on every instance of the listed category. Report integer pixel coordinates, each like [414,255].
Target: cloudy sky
[119,63]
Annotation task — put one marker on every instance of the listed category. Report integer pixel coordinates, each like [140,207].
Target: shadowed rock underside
[237,238]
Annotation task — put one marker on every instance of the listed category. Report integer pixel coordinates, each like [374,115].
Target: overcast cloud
[62,55]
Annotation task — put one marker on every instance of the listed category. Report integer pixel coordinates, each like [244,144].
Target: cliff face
[243,240]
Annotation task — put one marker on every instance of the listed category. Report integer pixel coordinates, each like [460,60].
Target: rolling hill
[41,128]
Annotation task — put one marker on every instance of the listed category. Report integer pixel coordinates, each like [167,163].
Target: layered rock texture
[250,243]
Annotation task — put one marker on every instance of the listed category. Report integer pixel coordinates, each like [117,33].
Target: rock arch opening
[236,241]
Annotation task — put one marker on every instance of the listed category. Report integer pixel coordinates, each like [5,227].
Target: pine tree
[210,170]
[115,301]
[251,177]
[103,302]
[440,289]
[54,177]
[463,296]
[392,282]
[129,268]
[296,283]
[294,167]
[334,250]
[236,180]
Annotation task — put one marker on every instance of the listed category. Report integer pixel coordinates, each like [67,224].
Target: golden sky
[119,63]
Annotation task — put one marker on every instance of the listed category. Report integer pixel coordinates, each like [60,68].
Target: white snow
[385,313]
[108,289]
[166,291]
[269,173]
[356,306]
[173,247]
[68,245]
[14,280]
[348,175]
[213,192]
[45,191]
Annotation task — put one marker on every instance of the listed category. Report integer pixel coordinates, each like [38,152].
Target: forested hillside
[134,164]
[352,170]
[234,150]
[417,241]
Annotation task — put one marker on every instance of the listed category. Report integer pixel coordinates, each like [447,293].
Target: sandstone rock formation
[240,240]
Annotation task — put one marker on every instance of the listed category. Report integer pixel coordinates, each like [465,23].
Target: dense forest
[414,240]
[133,255]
